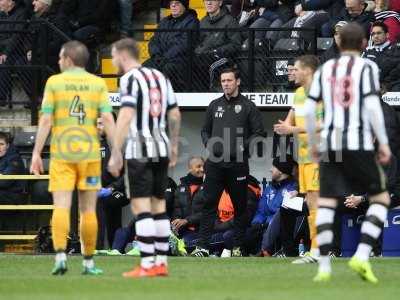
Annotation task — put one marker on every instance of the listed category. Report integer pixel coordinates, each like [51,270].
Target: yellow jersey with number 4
[303,153]
[75,99]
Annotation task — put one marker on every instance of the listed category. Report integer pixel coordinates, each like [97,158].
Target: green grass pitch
[28,278]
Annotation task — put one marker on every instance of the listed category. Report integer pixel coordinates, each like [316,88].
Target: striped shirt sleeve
[315,92]
[171,96]
[129,91]
[370,80]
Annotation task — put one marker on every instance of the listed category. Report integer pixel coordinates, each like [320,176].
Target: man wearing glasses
[380,42]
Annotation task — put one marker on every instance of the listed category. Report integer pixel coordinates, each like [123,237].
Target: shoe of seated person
[308,258]
[226,253]
[237,252]
[200,252]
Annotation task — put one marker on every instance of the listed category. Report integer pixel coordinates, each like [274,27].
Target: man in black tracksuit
[232,121]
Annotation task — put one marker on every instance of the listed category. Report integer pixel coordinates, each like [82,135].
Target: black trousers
[109,215]
[231,177]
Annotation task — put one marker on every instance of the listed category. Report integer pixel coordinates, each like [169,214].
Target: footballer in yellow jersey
[304,68]
[73,100]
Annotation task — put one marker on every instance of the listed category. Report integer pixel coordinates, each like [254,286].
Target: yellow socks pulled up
[88,229]
[313,229]
[60,224]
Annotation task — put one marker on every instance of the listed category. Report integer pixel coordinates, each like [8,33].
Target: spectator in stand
[125,12]
[87,19]
[169,51]
[215,48]
[189,200]
[333,51]
[11,47]
[358,11]
[272,14]
[46,10]
[10,164]
[380,43]
[303,19]
[111,197]
[390,68]
[332,7]
[11,191]
[387,12]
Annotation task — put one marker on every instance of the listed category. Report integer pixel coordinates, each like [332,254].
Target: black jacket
[377,54]
[332,7]
[389,66]
[87,12]
[11,43]
[365,19]
[188,205]
[284,8]
[174,45]
[11,164]
[240,118]
[225,43]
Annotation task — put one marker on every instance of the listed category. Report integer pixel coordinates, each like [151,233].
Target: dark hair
[5,136]
[129,45]
[381,25]
[309,61]
[77,52]
[233,70]
[351,37]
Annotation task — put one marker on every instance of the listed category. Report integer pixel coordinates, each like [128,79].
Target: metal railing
[28,62]
[262,61]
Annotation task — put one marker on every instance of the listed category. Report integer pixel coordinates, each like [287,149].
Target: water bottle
[301,248]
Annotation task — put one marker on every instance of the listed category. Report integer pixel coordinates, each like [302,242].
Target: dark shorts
[146,179]
[349,172]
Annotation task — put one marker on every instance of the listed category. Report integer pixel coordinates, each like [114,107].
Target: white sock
[161,260]
[88,263]
[61,256]
[371,229]
[145,231]
[363,251]
[147,262]
[161,244]
[325,264]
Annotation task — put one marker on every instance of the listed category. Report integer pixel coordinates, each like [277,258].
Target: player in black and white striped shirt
[147,100]
[349,89]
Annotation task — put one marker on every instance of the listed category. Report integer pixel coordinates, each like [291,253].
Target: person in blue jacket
[282,185]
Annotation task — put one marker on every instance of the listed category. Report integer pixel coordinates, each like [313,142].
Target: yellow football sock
[88,229]
[60,228]
[313,228]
